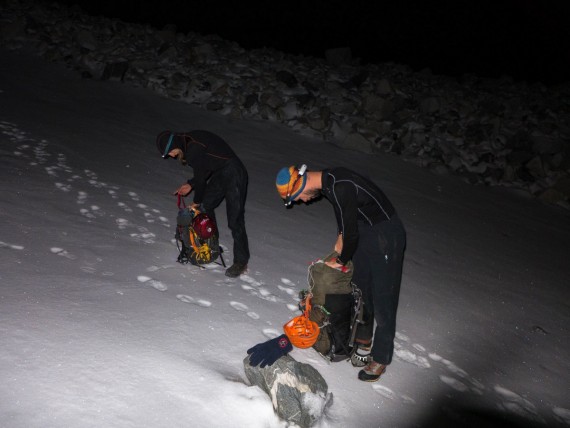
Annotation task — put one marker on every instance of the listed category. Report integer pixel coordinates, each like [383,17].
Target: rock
[377,107]
[338,56]
[429,105]
[298,392]
[355,141]
[115,71]
[86,40]
[287,78]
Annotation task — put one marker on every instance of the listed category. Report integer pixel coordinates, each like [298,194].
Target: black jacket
[354,199]
[206,153]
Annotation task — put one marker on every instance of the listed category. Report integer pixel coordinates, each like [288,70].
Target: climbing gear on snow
[337,309]
[266,353]
[198,246]
[302,332]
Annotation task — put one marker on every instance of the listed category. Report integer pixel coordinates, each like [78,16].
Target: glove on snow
[266,353]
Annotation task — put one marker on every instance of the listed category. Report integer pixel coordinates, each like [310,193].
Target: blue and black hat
[167,141]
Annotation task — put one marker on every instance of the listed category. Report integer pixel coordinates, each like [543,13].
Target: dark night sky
[525,39]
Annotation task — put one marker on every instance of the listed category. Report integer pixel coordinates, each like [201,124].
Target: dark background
[526,39]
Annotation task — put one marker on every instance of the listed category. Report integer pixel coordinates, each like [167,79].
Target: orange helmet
[301,331]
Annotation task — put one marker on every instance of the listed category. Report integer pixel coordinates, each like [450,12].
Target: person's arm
[346,211]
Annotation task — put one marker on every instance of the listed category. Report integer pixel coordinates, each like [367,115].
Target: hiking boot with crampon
[236,270]
[372,372]
[360,357]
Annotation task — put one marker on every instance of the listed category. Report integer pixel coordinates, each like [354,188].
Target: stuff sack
[196,237]
[337,309]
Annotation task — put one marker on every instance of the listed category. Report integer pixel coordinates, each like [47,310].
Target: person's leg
[236,192]
[387,245]
[387,276]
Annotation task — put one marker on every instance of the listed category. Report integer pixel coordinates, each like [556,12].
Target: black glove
[268,352]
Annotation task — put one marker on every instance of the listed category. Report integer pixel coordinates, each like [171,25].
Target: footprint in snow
[410,357]
[125,207]
[454,383]
[86,213]
[134,196]
[289,291]
[123,223]
[457,378]
[152,282]
[199,302]
[518,405]
[90,174]
[11,246]
[154,268]
[92,270]
[391,395]
[63,187]
[51,170]
[562,415]
[61,252]
[81,197]
[384,391]
[246,278]
[474,385]
[239,306]
[243,308]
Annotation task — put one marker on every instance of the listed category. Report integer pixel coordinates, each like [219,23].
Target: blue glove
[266,353]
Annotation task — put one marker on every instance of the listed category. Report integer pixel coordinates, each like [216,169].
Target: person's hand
[336,265]
[338,244]
[266,353]
[183,190]
[195,207]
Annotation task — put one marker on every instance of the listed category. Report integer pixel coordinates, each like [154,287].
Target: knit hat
[166,141]
[290,182]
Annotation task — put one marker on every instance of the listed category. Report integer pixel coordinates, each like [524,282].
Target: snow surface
[100,327]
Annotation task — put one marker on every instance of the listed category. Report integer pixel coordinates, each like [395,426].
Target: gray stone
[86,40]
[430,105]
[298,392]
[377,107]
[356,141]
[338,56]
[115,71]
[287,78]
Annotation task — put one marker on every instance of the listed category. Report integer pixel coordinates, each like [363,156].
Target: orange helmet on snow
[301,331]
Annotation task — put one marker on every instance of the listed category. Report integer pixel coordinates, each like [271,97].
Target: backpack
[337,309]
[196,237]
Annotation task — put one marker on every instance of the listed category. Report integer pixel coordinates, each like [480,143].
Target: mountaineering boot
[360,357]
[236,270]
[372,371]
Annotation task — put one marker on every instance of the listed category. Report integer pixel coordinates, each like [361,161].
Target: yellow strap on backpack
[203,252]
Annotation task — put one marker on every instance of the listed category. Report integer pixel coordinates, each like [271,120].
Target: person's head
[291,183]
[169,146]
